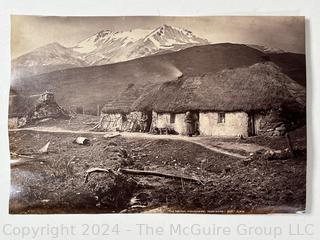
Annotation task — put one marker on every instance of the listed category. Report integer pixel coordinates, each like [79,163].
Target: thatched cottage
[119,115]
[231,102]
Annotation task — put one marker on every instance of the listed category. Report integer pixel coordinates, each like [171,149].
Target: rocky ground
[55,182]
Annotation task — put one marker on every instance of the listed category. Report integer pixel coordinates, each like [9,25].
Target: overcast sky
[287,33]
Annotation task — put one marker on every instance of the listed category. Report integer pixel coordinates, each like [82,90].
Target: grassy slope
[292,64]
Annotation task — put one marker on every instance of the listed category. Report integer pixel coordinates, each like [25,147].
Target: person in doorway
[189,123]
[144,122]
[196,131]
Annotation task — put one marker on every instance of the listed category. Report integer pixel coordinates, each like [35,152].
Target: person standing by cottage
[189,123]
[144,122]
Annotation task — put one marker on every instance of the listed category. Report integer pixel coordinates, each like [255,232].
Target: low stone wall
[270,124]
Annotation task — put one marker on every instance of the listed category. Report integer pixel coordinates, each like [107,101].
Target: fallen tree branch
[18,162]
[140,172]
[22,155]
[159,174]
[92,170]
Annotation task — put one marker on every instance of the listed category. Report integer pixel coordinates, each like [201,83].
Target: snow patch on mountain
[110,47]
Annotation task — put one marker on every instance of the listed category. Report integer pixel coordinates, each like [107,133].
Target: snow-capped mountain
[110,47]
[105,47]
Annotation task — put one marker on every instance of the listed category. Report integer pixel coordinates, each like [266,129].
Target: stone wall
[12,122]
[236,124]
[270,123]
[113,122]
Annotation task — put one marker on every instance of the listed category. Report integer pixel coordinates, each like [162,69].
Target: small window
[221,117]
[172,118]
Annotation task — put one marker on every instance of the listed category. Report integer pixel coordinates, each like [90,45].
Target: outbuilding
[118,115]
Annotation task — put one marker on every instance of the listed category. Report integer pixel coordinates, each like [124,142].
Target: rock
[112,144]
[127,162]
[260,151]
[278,154]
[124,153]
[44,149]
[276,133]
[248,160]
[227,168]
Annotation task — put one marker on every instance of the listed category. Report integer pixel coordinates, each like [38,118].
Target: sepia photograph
[146,114]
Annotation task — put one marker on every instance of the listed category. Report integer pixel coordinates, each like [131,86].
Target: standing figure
[189,123]
[144,122]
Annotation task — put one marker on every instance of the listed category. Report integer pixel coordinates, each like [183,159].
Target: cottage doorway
[148,121]
[195,115]
[251,125]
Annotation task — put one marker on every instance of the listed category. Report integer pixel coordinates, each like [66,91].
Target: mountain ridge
[105,47]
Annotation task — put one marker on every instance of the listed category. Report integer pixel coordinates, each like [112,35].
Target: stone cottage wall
[270,124]
[113,122]
[236,124]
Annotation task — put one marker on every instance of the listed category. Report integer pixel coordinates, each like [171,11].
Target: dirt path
[208,143]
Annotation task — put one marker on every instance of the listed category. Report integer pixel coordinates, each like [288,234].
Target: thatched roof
[20,105]
[123,103]
[261,86]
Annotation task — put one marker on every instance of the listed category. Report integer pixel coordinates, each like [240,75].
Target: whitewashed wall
[163,121]
[236,123]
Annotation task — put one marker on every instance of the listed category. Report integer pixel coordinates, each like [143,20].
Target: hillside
[89,86]
[292,64]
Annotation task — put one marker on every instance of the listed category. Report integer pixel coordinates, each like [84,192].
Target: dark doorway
[251,125]
[195,115]
[149,120]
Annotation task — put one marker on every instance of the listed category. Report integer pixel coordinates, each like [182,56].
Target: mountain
[47,58]
[265,49]
[96,85]
[110,47]
[105,47]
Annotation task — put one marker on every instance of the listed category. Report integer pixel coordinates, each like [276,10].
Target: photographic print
[157,115]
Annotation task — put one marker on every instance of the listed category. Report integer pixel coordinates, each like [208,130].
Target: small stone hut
[26,109]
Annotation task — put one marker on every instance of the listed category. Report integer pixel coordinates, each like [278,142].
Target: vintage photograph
[157,115]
